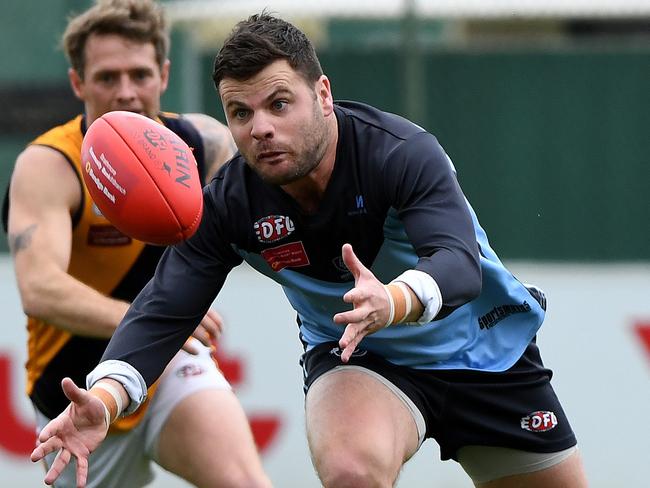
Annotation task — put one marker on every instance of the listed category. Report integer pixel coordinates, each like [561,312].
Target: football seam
[151,178]
[197,217]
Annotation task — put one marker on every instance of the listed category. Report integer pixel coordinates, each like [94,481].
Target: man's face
[119,74]
[278,121]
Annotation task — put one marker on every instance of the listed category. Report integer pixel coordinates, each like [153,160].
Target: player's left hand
[76,432]
[371,306]
[207,332]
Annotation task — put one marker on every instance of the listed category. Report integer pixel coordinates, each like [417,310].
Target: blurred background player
[77,274]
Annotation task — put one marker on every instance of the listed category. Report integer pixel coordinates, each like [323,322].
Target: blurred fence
[545,118]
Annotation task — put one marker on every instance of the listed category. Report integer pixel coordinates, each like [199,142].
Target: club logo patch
[291,255]
[539,421]
[189,370]
[273,228]
[106,236]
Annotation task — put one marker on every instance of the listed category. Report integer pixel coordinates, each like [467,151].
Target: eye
[141,74]
[239,114]
[105,78]
[279,105]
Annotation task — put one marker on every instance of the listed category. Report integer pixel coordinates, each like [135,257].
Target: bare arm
[44,193]
[218,144]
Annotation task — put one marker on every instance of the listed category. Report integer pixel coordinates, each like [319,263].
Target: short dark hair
[260,40]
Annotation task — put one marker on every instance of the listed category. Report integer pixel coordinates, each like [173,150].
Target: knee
[349,471]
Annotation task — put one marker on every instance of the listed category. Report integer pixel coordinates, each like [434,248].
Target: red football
[142,177]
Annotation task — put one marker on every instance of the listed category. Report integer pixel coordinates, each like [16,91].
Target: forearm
[60,299]
[169,308]
[420,182]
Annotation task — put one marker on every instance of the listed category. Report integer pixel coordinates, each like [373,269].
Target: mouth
[270,157]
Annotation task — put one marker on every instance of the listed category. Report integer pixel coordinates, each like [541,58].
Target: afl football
[142,177]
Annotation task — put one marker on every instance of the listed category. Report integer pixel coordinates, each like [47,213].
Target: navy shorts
[516,408]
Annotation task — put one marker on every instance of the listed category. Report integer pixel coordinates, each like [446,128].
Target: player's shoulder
[42,175]
[203,124]
[202,121]
[69,132]
[61,143]
[363,117]
[177,123]
[44,163]
[234,171]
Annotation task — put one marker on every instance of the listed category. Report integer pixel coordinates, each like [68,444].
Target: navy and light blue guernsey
[394,196]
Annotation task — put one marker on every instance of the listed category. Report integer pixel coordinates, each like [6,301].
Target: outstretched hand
[207,332]
[371,306]
[77,432]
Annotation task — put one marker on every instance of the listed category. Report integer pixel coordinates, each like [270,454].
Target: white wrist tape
[407,297]
[107,415]
[391,302]
[427,291]
[114,392]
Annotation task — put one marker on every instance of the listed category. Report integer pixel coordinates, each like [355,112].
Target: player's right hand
[77,432]
[207,332]
[370,305]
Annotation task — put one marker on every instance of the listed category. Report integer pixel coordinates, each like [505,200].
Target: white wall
[601,373]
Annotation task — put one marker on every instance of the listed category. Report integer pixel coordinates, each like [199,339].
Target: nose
[126,90]
[261,126]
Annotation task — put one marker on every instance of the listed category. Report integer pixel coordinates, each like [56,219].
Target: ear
[324,94]
[76,83]
[164,75]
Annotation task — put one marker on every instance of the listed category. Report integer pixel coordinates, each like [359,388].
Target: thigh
[119,461]
[185,375]
[198,429]
[357,420]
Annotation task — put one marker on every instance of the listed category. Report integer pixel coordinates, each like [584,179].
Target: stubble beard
[314,140]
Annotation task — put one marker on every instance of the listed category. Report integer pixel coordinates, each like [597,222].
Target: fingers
[208,331]
[360,321]
[351,260]
[212,325]
[369,303]
[354,295]
[351,338]
[190,347]
[217,320]
[82,471]
[351,316]
[45,447]
[73,392]
[60,462]
[52,429]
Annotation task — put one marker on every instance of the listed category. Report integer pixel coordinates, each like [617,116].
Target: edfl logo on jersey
[273,228]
